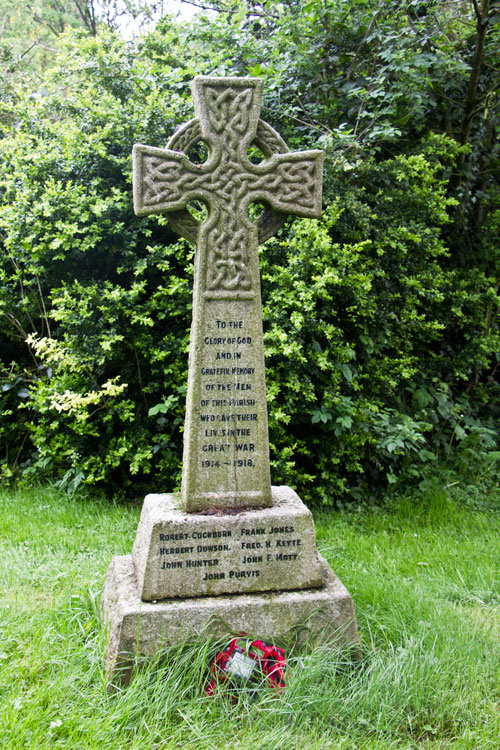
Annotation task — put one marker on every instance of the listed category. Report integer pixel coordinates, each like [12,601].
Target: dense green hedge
[381,335]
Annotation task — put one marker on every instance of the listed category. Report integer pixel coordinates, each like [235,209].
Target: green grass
[425,579]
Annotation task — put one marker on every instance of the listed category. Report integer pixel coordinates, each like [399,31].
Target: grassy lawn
[425,578]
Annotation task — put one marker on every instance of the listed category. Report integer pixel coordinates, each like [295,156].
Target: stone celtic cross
[226,450]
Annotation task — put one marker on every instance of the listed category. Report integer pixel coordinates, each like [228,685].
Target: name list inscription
[250,548]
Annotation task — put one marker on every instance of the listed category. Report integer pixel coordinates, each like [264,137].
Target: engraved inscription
[220,389]
[255,548]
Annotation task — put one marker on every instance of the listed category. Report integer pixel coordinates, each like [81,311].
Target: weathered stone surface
[324,615]
[248,538]
[181,555]
[226,453]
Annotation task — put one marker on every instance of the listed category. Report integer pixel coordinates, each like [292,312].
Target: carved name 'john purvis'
[227,281]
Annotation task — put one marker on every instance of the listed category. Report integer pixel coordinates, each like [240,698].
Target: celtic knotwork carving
[267,140]
[166,180]
[162,181]
[228,266]
[186,136]
[183,140]
[295,182]
[228,110]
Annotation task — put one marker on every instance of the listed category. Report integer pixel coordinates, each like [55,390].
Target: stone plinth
[324,615]
[177,554]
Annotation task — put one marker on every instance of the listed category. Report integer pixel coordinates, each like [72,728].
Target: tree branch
[23,54]
[476,9]
[87,14]
[313,124]
[477,61]
[18,455]
[44,22]
[208,7]
[362,43]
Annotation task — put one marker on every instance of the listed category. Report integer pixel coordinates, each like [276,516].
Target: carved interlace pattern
[267,140]
[228,183]
[186,136]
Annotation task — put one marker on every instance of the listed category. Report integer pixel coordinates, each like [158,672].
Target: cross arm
[290,183]
[163,180]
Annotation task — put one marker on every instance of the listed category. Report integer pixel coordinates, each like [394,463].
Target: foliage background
[381,319]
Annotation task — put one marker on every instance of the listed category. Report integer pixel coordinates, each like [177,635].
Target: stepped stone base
[322,615]
[179,555]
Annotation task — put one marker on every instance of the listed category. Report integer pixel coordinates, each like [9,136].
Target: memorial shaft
[226,453]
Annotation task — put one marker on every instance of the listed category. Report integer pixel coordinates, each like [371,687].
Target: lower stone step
[323,615]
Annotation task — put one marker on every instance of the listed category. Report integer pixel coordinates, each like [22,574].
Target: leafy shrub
[380,337]
[366,383]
